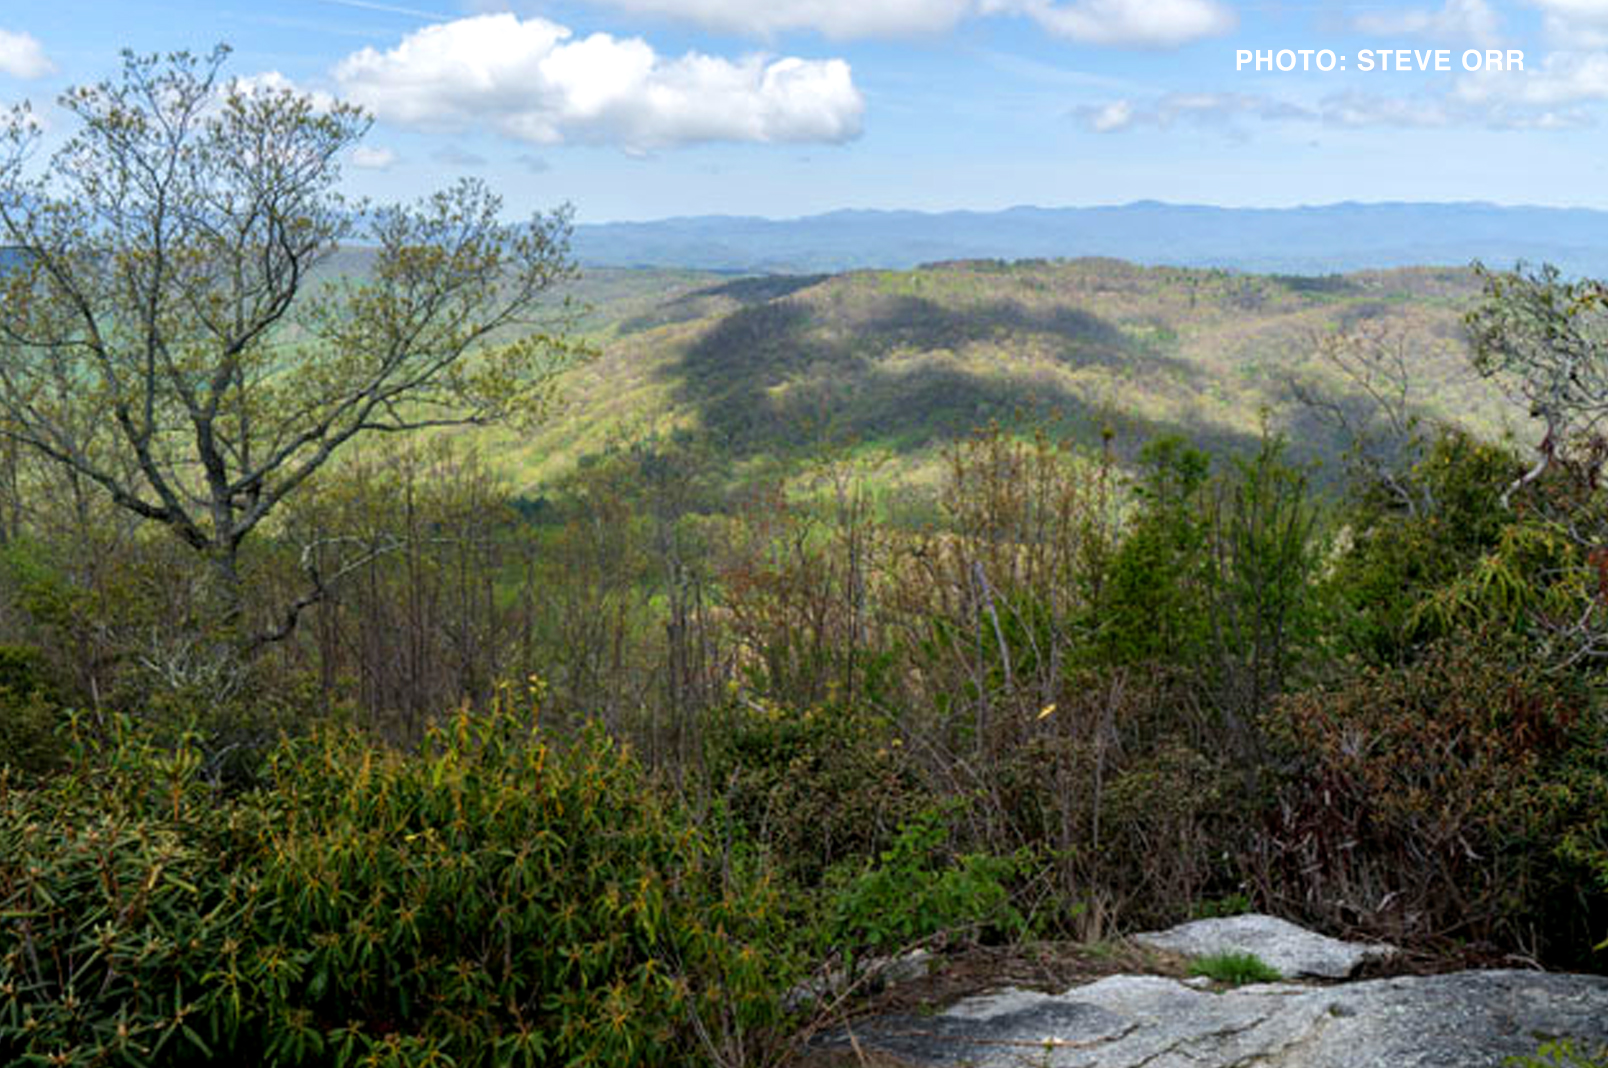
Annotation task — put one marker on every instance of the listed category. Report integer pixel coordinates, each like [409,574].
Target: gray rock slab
[1293,950]
[1465,1020]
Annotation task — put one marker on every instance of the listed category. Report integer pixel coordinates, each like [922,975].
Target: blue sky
[638,109]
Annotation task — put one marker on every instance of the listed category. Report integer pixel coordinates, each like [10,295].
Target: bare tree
[1379,423]
[177,334]
[1545,341]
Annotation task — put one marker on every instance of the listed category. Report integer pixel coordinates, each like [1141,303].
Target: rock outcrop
[1472,1019]
[1294,951]
[1464,1020]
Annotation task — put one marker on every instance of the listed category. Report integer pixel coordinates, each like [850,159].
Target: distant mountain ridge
[1323,239]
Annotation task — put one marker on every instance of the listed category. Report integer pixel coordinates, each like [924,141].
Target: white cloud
[1369,109]
[1474,21]
[1572,119]
[22,56]
[1126,23]
[1112,117]
[271,81]
[373,158]
[531,80]
[838,19]
[1117,23]
[1204,109]
[1562,78]
[1575,23]
[1228,112]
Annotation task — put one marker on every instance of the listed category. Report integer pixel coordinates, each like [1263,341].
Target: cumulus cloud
[373,158]
[22,56]
[1474,21]
[531,79]
[1117,23]
[271,81]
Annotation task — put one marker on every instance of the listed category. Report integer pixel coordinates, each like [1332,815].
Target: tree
[1376,414]
[179,332]
[1545,340]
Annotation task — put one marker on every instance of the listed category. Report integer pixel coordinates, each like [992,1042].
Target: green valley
[891,365]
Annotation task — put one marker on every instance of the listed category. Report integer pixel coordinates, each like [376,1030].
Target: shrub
[117,899]
[1442,799]
[1399,555]
[914,889]
[1236,904]
[489,899]
[30,711]
[815,787]
[1571,803]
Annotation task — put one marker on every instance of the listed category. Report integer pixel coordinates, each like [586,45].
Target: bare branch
[175,335]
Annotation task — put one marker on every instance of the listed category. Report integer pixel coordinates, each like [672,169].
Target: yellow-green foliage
[492,899]
[1407,576]
[900,363]
[117,899]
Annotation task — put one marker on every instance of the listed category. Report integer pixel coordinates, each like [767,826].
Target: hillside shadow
[775,378]
[746,291]
[762,288]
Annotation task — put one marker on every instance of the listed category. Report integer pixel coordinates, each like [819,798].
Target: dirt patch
[847,1058]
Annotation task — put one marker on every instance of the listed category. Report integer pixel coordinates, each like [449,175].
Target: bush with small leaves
[914,890]
[815,787]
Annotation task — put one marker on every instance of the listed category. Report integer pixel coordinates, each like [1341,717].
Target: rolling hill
[891,365]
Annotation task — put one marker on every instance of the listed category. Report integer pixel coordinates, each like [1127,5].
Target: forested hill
[893,364]
[1302,240]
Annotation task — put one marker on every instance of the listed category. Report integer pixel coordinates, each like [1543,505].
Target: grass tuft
[1235,969]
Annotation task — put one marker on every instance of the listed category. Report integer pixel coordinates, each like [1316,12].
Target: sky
[644,109]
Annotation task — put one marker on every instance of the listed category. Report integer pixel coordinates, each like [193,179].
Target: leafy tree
[1545,339]
[1154,608]
[179,332]
[1263,553]
[1396,563]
